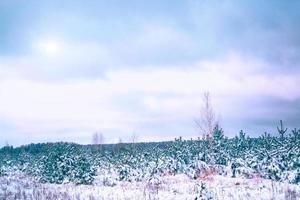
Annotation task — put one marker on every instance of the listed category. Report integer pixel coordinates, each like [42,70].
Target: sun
[49,47]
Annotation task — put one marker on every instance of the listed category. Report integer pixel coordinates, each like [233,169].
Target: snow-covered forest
[267,167]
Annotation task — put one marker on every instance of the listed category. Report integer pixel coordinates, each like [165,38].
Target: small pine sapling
[281,130]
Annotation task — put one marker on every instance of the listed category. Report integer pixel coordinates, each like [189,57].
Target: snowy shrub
[65,168]
[124,173]
[240,168]
[203,193]
[2,171]
[272,157]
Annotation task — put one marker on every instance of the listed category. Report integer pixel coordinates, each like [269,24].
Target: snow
[169,187]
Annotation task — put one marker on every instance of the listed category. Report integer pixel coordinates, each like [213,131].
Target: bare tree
[133,140]
[101,138]
[97,141]
[207,119]
[118,146]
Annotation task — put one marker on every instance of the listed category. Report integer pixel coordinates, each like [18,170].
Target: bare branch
[207,119]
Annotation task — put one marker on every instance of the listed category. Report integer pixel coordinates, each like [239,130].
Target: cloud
[123,70]
[259,29]
[170,95]
[231,76]
[71,61]
[59,59]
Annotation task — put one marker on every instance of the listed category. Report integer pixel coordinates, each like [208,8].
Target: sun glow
[49,47]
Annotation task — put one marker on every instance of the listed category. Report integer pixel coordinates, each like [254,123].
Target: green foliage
[65,165]
[272,157]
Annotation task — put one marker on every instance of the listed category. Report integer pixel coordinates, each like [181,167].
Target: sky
[71,68]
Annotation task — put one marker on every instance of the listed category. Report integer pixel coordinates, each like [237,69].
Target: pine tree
[281,130]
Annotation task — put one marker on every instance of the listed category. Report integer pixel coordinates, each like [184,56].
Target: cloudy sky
[70,68]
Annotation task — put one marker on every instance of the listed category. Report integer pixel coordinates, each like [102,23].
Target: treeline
[275,157]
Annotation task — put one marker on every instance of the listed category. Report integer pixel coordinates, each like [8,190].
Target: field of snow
[21,187]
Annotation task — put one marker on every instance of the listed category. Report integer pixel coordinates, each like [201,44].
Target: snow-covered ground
[19,186]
